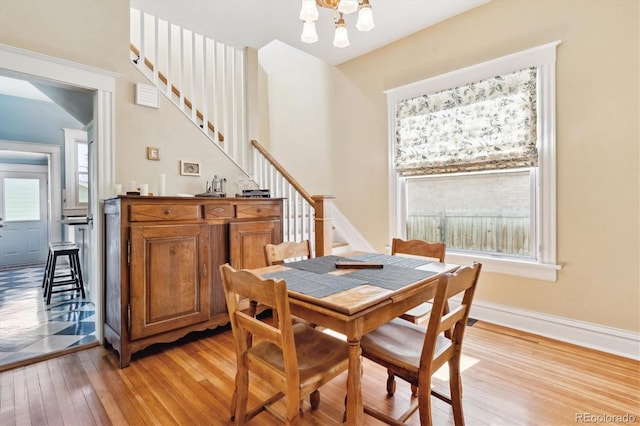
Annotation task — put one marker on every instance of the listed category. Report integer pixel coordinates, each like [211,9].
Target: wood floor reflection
[510,378]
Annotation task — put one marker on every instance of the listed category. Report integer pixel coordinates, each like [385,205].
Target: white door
[23,208]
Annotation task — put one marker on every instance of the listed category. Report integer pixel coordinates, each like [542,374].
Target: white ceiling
[21,89]
[256,23]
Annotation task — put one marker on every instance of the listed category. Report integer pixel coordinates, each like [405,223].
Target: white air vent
[146,95]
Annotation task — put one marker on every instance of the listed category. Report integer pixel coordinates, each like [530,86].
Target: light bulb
[309,34]
[365,17]
[347,6]
[341,38]
[309,11]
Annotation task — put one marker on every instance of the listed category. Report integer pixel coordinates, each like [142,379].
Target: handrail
[306,216]
[294,183]
[174,89]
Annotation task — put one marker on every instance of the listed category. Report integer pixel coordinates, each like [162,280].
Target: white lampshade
[347,6]
[341,38]
[309,11]
[365,18]
[309,34]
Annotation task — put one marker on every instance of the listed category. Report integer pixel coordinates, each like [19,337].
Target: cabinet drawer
[218,211]
[145,213]
[257,210]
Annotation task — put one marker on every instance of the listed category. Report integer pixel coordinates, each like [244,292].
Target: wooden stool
[45,276]
[70,280]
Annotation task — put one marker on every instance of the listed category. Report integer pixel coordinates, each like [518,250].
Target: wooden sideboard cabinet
[162,258]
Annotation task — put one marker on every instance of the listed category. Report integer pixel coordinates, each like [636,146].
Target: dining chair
[293,358]
[276,254]
[414,353]
[424,249]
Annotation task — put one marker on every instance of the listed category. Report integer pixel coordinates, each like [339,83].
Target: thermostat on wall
[146,95]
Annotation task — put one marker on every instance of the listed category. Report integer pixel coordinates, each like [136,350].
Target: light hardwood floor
[511,378]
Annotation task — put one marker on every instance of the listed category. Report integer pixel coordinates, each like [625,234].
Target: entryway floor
[29,328]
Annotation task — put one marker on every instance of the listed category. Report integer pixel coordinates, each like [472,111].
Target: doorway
[23,208]
[34,66]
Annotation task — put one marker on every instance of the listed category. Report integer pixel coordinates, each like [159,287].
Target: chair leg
[424,403]
[46,270]
[75,261]
[234,400]
[293,409]
[241,396]
[391,383]
[314,399]
[455,387]
[49,288]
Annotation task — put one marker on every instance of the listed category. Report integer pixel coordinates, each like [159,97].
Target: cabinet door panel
[247,241]
[169,278]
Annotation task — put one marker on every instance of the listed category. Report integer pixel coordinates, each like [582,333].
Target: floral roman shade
[489,124]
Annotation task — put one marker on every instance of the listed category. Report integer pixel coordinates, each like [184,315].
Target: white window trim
[544,57]
[71,138]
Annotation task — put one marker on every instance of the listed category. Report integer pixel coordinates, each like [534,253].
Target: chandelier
[309,14]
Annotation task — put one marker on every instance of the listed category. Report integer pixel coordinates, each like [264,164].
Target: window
[473,163]
[76,155]
[21,199]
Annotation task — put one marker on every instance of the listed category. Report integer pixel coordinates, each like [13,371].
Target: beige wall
[96,33]
[301,126]
[597,142]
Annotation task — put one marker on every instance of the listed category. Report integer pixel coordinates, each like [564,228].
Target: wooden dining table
[355,301]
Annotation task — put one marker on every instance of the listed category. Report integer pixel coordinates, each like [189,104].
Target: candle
[162,184]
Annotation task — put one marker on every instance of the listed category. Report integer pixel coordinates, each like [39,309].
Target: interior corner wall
[96,33]
[301,126]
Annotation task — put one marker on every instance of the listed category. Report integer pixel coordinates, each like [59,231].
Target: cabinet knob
[259,210]
[167,211]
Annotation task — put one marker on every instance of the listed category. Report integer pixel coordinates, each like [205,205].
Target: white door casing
[23,62]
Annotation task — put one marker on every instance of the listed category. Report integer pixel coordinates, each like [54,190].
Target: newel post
[323,204]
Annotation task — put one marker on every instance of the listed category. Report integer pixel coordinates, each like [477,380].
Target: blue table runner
[312,276]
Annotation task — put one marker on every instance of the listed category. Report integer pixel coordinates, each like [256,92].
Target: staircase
[205,79]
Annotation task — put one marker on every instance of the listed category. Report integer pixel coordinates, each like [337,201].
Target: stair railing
[203,77]
[306,216]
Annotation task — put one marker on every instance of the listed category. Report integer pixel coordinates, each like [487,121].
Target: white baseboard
[606,339]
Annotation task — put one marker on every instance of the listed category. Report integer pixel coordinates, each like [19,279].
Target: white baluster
[155,61]
[169,60]
[203,88]
[214,89]
[194,118]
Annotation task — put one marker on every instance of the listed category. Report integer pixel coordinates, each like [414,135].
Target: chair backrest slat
[258,328]
[276,254]
[419,248]
[450,319]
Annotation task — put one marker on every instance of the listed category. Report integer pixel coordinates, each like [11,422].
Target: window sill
[518,268]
